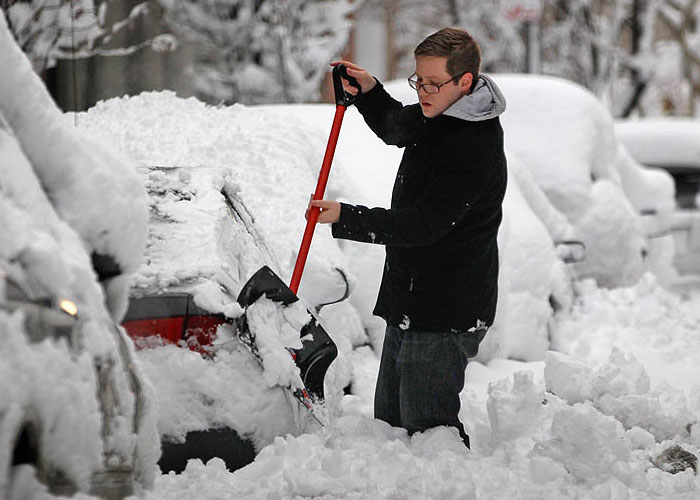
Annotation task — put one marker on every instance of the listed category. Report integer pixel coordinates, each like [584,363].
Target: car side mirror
[570,251]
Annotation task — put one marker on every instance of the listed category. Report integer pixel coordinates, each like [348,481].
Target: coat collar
[484,102]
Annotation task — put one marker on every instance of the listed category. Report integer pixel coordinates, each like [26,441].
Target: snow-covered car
[672,144]
[204,247]
[70,419]
[76,415]
[228,188]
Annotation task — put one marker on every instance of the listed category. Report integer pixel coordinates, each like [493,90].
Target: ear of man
[465,83]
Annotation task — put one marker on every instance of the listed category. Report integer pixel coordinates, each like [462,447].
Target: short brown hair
[458,46]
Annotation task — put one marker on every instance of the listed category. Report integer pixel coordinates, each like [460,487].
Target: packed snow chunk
[276,329]
[544,470]
[436,442]
[194,393]
[646,319]
[664,412]
[621,375]
[640,438]
[589,444]
[515,406]
[621,388]
[568,377]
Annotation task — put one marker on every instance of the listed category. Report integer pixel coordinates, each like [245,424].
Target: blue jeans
[420,377]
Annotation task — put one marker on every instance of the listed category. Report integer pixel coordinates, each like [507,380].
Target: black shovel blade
[318,350]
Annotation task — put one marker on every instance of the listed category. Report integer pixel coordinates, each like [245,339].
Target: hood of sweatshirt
[484,102]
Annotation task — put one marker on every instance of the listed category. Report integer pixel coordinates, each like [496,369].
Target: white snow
[63,197]
[563,428]
[584,422]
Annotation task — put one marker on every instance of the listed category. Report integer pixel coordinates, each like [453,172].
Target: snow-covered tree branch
[412,20]
[48,30]
[681,19]
[255,51]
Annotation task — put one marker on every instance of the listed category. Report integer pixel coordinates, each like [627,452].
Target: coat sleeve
[391,121]
[443,203]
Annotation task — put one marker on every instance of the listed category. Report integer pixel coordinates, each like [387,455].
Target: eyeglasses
[431,88]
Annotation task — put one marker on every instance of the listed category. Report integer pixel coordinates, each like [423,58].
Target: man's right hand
[366,81]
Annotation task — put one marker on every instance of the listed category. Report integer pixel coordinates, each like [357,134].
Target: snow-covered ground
[587,421]
[585,427]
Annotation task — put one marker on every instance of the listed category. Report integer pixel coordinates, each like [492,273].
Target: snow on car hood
[190,156]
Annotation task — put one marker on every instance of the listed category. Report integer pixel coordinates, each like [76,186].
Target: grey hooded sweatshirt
[441,267]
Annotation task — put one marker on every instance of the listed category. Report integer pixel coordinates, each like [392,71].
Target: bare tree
[605,45]
[680,18]
[254,51]
[503,46]
[409,21]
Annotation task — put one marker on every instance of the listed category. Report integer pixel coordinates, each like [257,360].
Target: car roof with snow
[662,142]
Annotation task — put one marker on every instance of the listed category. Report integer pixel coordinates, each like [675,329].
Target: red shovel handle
[318,195]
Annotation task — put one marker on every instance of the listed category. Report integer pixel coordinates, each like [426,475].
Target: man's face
[431,69]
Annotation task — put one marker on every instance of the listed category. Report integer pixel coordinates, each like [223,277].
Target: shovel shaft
[318,195]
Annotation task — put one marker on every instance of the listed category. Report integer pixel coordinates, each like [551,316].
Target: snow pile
[514,406]
[571,427]
[657,327]
[195,393]
[621,389]
[539,447]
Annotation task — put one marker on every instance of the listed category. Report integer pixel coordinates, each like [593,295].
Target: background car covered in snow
[570,180]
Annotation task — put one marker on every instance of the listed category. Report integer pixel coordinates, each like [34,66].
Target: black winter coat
[441,268]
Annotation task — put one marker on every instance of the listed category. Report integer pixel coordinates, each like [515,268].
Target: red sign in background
[522,10]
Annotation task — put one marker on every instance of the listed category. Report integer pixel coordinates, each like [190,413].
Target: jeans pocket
[468,342]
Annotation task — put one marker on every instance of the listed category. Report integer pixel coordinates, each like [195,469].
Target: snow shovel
[318,349]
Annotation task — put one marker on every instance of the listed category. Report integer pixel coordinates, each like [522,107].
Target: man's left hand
[330,211]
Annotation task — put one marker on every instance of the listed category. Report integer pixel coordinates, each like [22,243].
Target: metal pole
[532,47]
[318,195]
